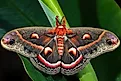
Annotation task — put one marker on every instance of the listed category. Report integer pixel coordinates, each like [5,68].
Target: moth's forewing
[101,41]
[22,41]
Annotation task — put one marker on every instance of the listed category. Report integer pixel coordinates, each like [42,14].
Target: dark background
[11,68]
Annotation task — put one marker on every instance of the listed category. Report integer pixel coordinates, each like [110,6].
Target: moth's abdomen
[60,45]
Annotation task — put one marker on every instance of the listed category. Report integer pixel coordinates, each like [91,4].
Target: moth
[60,49]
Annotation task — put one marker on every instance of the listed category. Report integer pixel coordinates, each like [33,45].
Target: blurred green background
[96,13]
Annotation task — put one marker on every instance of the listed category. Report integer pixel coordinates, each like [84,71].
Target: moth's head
[9,40]
[111,41]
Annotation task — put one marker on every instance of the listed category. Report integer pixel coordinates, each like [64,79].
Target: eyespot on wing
[112,39]
[9,39]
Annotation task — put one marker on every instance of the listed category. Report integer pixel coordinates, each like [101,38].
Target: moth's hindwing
[40,46]
[72,60]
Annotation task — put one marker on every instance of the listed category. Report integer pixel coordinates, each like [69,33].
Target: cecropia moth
[60,49]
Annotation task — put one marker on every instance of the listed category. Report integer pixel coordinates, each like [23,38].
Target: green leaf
[52,9]
[2,32]
[118,78]
[50,14]
[87,74]
[34,74]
